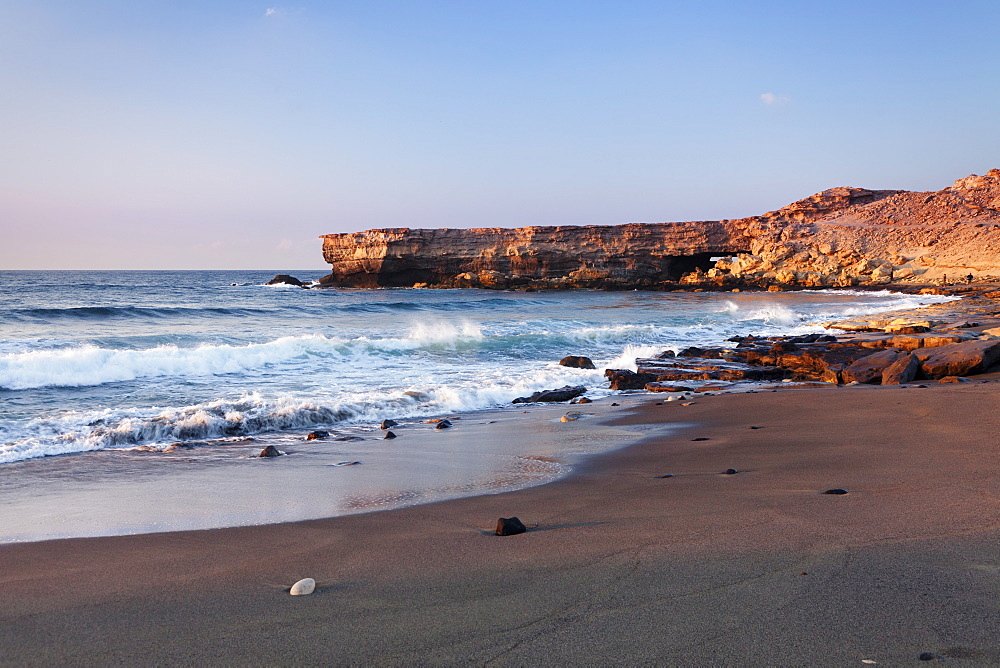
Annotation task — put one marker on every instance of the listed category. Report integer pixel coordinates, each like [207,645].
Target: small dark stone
[700,438]
[922,386]
[756,427]
[730,471]
[269,451]
[668,475]
[317,435]
[836,490]
[582,400]
[615,404]
[510,526]
[443,424]
[927,656]
[388,435]
[659,403]
[386,424]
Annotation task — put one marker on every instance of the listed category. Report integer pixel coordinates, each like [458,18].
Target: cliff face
[839,237]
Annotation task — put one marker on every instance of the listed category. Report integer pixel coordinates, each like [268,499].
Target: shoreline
[620,564]
[112,474]
[615,557]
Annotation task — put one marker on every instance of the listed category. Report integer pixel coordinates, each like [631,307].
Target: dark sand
[620,567]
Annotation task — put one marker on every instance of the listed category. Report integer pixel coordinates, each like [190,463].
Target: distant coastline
[841,237]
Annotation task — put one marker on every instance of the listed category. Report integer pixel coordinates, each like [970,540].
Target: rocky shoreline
[943,343]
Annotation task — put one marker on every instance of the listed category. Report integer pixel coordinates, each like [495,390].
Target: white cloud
[285,244]
[271,11]
[771,99]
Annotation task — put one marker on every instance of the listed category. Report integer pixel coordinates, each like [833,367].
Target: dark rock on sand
[269,451]
[389,435]
[836,490]
[551,396]
[666,475]
[954,379]
[285,279]
[386,424]
[730,471]
[701,438]
[577,362]
[581,400]
[510,526]
[317,435]
[443,424]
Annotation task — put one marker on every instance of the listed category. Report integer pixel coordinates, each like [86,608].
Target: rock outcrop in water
[837,238]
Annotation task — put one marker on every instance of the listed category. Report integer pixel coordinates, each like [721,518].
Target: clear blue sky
[229,134]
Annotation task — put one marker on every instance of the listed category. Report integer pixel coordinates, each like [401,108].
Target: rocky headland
[841,237]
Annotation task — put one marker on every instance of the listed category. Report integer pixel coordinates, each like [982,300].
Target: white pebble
[303,587]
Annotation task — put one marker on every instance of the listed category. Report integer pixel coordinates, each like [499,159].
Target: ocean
[120,389]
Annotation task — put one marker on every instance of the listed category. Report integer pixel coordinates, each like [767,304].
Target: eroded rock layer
[839,237]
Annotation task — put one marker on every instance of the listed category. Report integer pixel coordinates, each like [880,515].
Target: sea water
[102,371]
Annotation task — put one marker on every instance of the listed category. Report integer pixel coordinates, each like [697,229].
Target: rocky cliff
[840,237]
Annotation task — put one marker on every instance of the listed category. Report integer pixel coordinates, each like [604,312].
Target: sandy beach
[619,566]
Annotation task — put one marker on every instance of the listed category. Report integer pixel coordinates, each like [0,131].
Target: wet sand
[618,567]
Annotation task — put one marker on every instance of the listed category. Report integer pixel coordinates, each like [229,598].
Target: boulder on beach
[285,279]
[903,370]
[869,369]
[389,435]
[269,451]
[551,396]
[317,435]
[386,424]
[510,526]
[577,362]
[958,359]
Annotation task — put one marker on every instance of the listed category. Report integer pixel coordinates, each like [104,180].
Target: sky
[177,134]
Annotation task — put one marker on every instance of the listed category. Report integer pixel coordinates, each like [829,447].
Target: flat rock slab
[958,359]
[552,396]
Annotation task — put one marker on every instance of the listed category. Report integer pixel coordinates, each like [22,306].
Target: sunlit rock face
[839,237]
